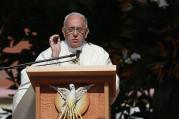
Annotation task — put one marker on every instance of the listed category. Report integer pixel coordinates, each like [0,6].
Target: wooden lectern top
[39,71]
[42,74]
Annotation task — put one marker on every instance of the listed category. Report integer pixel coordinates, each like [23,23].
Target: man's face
[75,31]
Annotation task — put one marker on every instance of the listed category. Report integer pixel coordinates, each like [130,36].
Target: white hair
[78,14]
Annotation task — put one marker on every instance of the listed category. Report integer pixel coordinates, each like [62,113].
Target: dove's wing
[82,90]
[89,86]
[63,92]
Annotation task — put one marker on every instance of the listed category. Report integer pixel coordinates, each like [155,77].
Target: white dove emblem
[71,97]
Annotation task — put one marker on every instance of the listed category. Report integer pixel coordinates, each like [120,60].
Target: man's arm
[24,99]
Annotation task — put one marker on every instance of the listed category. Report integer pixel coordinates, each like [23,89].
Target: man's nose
[75,32]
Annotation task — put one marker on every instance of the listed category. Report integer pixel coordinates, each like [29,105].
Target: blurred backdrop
[141,36]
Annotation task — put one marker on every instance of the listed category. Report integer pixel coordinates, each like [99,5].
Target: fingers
[54,39]
[54,42]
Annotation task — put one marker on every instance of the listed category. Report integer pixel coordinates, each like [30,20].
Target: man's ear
[87,32]
[63,31]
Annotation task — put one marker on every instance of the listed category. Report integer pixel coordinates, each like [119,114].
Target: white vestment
[24,100]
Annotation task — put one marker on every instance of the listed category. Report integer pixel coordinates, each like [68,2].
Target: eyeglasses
[70,30]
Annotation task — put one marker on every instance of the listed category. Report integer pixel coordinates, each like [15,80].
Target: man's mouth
[74,40]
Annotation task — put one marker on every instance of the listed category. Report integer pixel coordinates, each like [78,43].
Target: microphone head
[78,53]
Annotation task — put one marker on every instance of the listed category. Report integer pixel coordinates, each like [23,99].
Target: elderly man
[75,31]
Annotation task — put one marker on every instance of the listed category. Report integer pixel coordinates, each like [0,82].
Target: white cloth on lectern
[90,55]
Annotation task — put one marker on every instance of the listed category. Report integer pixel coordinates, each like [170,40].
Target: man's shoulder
[48,50]
[45,54]
[96,49]
[93,46]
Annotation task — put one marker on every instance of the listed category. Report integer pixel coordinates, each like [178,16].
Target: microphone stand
[30,63]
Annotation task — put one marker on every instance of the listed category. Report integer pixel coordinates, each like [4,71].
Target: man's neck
[73,50]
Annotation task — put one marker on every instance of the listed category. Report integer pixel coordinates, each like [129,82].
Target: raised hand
[54,42]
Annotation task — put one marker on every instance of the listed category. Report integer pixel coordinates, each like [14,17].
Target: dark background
[147,29]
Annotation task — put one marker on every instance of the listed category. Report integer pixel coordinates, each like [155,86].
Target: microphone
[76,60]
[30,63]
[78,52]
[51,59]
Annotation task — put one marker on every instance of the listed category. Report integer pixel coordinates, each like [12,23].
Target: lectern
[104,89]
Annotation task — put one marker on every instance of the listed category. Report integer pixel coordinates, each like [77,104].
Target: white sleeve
[25,84]
[104,59]
[24,99]
[108,62]
[44,56]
